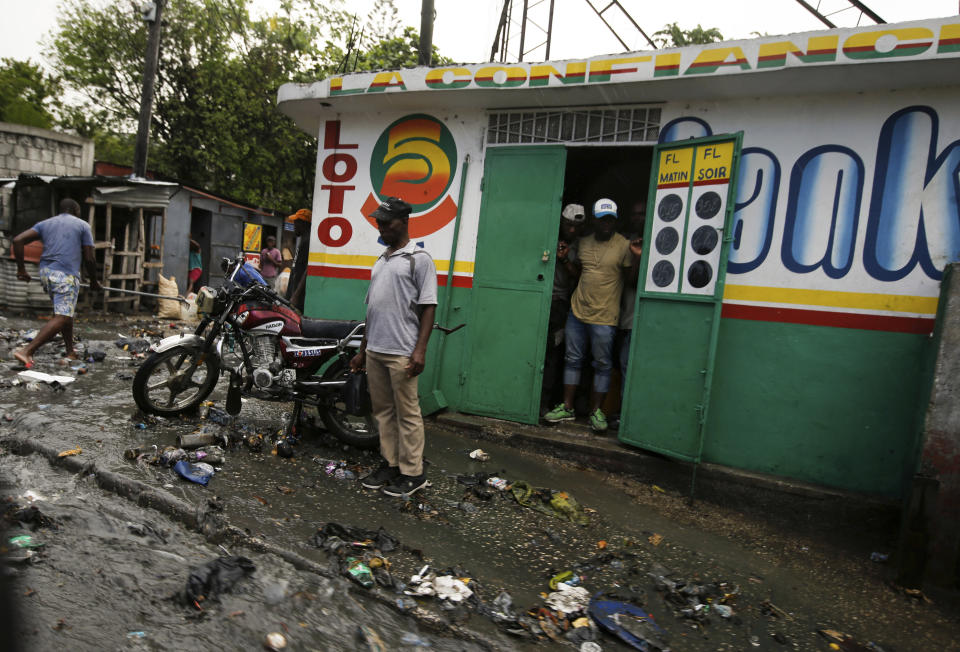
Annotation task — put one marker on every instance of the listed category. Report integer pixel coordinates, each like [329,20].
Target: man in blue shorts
[66,241]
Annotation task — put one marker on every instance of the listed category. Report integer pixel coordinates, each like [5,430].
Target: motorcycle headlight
[206,298]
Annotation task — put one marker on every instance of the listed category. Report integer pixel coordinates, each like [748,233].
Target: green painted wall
[833,406]
[334,298]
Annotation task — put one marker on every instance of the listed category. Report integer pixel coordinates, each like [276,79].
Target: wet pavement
[107,574]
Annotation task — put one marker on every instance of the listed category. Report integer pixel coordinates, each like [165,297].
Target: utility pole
[426,32]
[151,14]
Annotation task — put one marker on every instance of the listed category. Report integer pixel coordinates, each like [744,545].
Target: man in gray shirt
[67,241]
[401,305]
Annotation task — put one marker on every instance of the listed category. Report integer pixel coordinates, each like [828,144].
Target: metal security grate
[622,125]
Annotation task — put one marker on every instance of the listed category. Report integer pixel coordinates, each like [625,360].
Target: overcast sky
[464,30]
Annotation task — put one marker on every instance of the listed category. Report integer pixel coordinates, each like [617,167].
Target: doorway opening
[621,174]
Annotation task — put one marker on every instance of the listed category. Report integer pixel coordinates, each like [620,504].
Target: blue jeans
[577,334]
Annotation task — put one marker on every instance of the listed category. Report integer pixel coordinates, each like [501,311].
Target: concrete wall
[31,150]
[940,456]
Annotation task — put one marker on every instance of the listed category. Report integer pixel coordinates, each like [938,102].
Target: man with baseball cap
[401,304]
[565,276]
[606,258]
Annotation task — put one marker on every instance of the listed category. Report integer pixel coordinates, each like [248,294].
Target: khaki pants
[396,408]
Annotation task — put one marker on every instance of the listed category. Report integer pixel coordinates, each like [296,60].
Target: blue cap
[604,207]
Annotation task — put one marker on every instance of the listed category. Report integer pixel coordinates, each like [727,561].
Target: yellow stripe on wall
[833,299]
[357,260]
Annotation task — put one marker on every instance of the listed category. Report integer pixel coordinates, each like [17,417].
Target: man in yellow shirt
[606,261]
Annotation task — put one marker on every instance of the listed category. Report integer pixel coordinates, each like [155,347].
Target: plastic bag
[356,394]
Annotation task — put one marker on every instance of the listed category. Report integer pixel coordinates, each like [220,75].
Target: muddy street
[109,570]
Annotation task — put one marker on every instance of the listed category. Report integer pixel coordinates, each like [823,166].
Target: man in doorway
[66,240]
[270,262]
[565,275]
[297,285]
[401,304]
[605,261]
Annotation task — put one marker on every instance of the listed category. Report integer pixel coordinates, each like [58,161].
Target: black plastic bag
[215,577]
[356,394]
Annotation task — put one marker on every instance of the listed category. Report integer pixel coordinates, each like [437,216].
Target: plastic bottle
[134,453]
[196,440]
[360,572]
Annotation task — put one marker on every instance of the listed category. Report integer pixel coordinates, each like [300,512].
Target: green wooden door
[513,280]
[677,316]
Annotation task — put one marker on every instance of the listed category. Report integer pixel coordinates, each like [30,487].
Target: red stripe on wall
[364,275]
[458,281]
[918,325]
[339,272]
[679,184]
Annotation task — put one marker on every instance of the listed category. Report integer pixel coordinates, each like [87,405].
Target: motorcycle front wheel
[357,430]
[175,381]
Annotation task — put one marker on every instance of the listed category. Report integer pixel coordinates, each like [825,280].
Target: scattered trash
[445,587]
[629,623]
[40,377]
[133,345]
[333,536]
[199,473]
[563,577]
[409,638]
[216,415]
[97,356]
[841,641]
[556,503]
[497,483]
[722,610]
[658,489]
[655,539]
[30,516]
[216,576]
[879,557]
[136,634]
[568,599]
[275,641]
[25,541]
[140,426]
[360,572]
[480,455]
[197,439]
[370,639]
[70,453]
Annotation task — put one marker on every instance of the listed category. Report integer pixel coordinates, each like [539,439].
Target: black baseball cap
[392,208]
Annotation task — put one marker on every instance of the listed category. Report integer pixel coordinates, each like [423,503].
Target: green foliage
[27,94]
[672,36]
[215,121]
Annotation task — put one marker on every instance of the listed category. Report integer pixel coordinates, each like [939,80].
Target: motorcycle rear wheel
[164,384]
[357,430]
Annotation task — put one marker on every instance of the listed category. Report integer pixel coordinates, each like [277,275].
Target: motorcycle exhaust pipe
[307,385]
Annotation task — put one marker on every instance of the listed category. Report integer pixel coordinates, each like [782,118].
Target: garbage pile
[21,544]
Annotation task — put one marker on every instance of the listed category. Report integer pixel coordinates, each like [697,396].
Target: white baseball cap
[604,207]
[574,213]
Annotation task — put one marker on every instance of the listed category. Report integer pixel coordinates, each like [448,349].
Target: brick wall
[30,150]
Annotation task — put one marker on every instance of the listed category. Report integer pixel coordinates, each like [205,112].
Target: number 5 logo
[415,159]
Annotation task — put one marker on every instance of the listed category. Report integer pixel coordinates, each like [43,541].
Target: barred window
[620,125]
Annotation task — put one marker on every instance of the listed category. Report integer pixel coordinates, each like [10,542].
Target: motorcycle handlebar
[447,331]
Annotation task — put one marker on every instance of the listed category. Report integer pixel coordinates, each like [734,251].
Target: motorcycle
[270,352]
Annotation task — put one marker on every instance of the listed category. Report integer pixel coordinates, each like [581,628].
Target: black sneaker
[405,485]
[384,475]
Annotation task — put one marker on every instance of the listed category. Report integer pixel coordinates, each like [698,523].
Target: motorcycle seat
[326,328]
